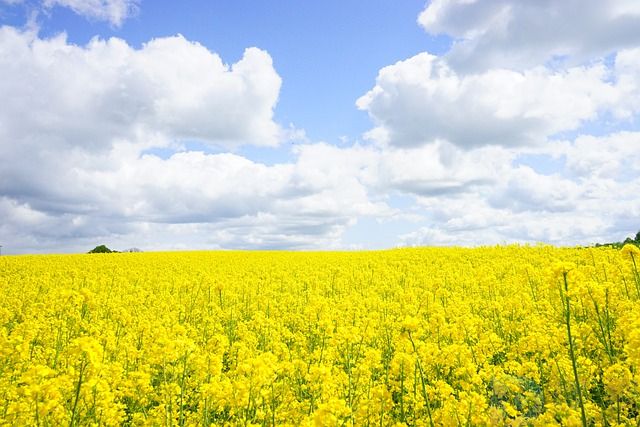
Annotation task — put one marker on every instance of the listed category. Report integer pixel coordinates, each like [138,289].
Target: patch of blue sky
[628,171]
[181,146]
[609,62]
[380,233]
[371,233]
[268,155]
[543,164]
[605,124]
[162,152]
[403,202]
[561,62]
[265,155]
[556,62]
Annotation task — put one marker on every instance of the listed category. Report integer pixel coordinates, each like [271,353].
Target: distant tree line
[628,240]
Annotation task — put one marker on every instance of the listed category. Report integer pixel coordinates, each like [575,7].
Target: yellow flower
[617,379]
[630,248]
[562,267]
[410,324]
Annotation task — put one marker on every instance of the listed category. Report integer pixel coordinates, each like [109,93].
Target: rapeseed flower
[433,336]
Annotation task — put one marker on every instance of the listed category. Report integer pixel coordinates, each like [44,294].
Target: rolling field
[506,335]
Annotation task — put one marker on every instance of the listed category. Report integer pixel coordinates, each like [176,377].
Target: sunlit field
[489,336]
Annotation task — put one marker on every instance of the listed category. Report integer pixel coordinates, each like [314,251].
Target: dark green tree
[102,249]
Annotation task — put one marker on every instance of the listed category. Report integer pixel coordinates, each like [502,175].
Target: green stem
[424,388]
[402,417]
[77,397]
[572,352]
[182,380]
[38,416]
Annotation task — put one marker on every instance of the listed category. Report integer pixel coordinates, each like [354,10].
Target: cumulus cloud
[613,157]
[525,190]
[191,200]
[514,228]
[439,169]
[592,198]
[170,85]
[522,34]
[113,11]
[422,99]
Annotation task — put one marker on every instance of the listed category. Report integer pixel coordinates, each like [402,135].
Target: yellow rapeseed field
[507,335]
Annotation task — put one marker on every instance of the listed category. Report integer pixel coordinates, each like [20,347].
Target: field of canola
[423,337]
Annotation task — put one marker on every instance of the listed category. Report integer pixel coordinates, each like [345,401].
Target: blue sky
[317,125]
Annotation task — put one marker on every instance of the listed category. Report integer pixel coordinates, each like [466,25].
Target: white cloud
[439,169]
[509,228]
[615,157]
[591,198]
[113,11]
[522,189]
[170,85]
[522,34]
[627,77]
[421,99]
[191,200]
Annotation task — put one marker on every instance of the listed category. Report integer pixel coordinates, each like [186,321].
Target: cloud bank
[76,162]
